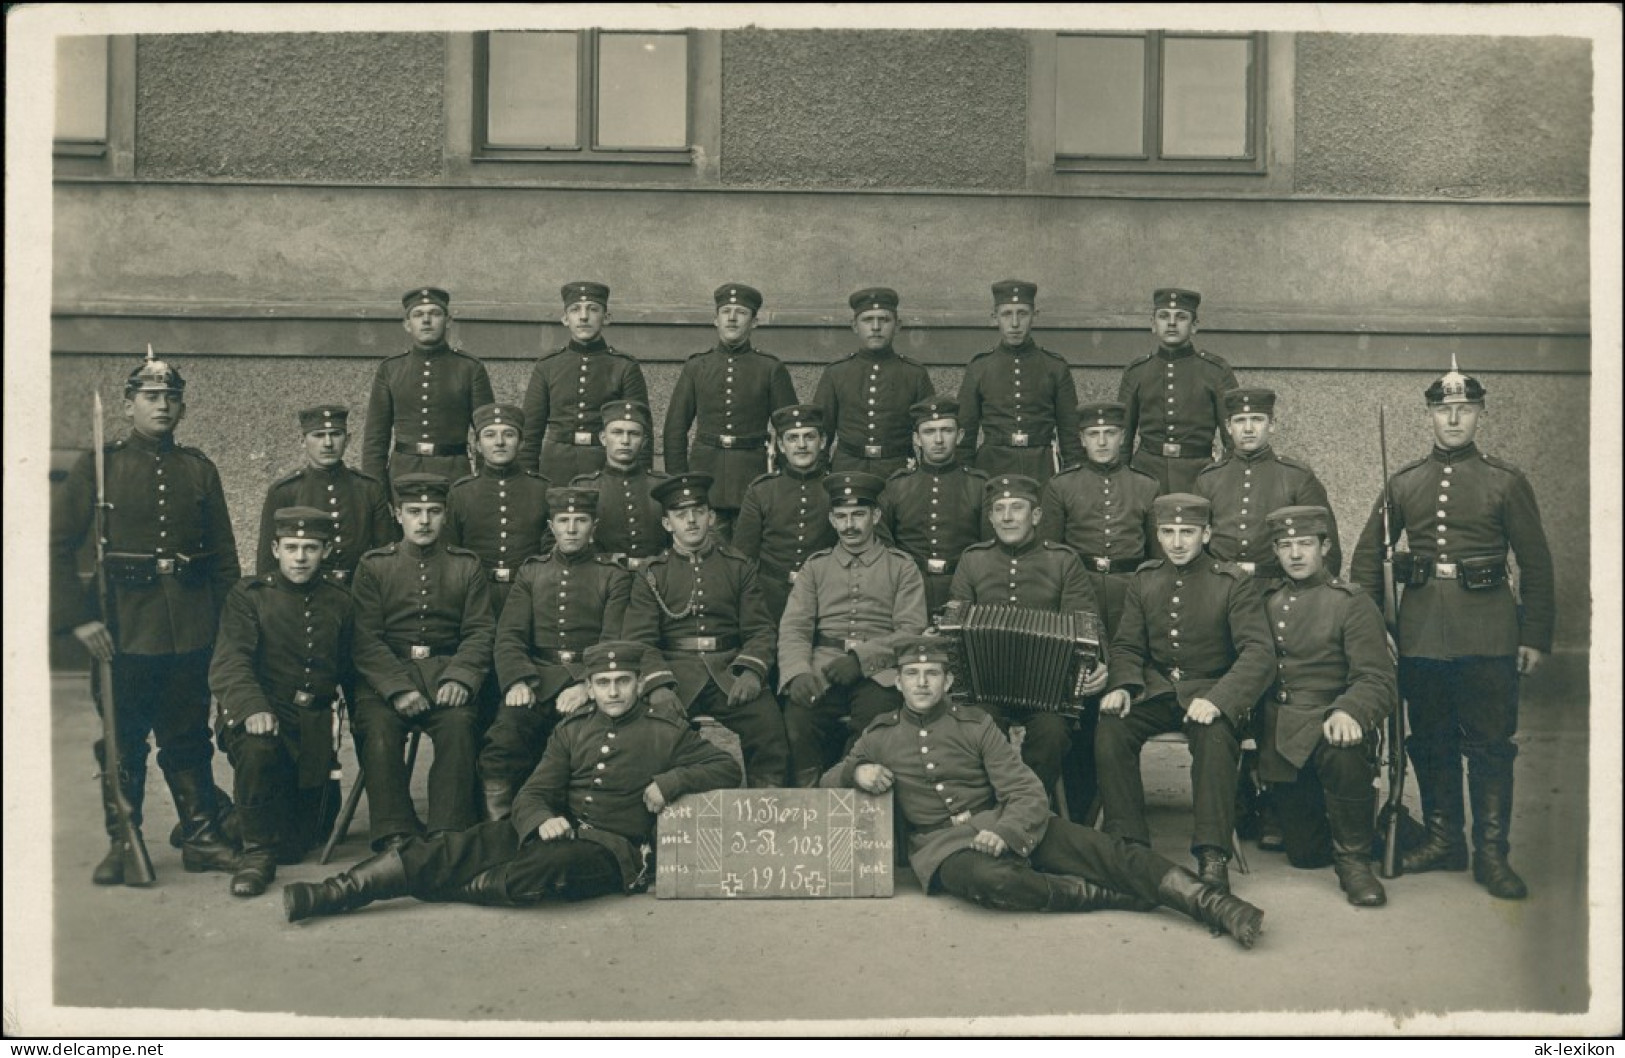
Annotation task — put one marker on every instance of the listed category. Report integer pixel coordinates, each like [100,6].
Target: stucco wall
[341,106]
[874,109]
[1454,117]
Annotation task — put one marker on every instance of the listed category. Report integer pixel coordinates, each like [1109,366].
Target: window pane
[1100,95]
[531,90]
[1205,97]
[643,90]
[81,88]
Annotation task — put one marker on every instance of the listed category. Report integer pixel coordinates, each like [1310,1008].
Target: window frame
[115,155]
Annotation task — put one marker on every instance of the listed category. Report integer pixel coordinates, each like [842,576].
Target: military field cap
[1248,401]
[795,416]
[683,490]
[934,408]
[499,415]
[1015,292]
[626,411]
[613,657]
[1010,487]
[873,298]
[1174,298]
[420,488]
[924,650]
[1181,508]
[425,296]
[324,417]
[154,376]
[1453,387]
[738,294]
[585,290]
[1103,413]
[855,489]
[570,499]
[1297,521]
[306,523]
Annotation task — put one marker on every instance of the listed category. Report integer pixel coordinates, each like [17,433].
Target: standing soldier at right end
[1465,638]
[1173,395]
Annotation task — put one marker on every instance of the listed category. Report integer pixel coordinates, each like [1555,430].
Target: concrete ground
[1441,945]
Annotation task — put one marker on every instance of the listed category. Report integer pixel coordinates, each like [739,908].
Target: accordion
[1020,659]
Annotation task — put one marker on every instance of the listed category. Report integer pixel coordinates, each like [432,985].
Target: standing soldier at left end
[423,400]
[358,503]
[171,558]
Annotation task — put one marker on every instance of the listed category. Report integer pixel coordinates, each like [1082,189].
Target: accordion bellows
[1020,659]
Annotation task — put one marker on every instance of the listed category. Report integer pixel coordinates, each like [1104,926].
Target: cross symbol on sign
[731,885]
[815,883]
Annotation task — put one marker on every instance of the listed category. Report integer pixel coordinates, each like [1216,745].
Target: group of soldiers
[554,619]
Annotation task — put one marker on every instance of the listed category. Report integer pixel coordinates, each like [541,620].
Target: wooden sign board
[776,844]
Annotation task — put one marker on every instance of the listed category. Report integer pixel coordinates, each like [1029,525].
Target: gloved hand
[845,670]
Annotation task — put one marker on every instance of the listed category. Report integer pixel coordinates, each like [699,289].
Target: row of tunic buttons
[728,398]
[1013,568]
[1173,615]
[1017,394]
[801,526]
[426,370]
[564,594]
[162,515]
[1444,497]
[598,780]
[925,749]
[1280,646]
[1246,498]
[874,388]
[423,599]
[1170,384]
[502,510]
[581,384]
[338,524]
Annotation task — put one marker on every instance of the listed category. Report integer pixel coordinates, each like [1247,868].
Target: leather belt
[1019,438]
[587,438]
[501,574]
[1290,697]
[703,644]
[868,451]
[1174,450]
[732,440]
[1446,570]
[836,643]
[426,448]
[957,819]
[420,651]
[306,700]
[1179,675]
[1102,564]
[943,567]
[558,657]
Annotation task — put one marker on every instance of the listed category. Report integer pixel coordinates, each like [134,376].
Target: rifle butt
[138,871]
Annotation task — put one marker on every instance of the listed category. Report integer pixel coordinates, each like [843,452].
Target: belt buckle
[1442,570]
[340,575]
[726,440]
[425,448]
[1248,568]
[1171,450]
[1103,565]
[959,818]
[850,644]
[705,643]
[635,564]
[1282,697]
[873,451]
[569,656]
[502,574]
[1019,439]
[419,652]
[166,566]
[581,437]
[1176,674]
[936,565]
[303,698]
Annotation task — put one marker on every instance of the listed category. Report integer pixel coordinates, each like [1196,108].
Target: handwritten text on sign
[776,844]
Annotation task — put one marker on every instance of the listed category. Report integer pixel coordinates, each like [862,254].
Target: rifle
[137,864]
[1393,814]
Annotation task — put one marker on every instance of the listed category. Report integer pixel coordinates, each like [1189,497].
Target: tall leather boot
[1352,834]
[1071,893]
[1490,786]
[1219,911]
[1445,848]
[261,828]
[381,877]
[498,799]
[225,822]
[488,888]
[202,846]
[115,866]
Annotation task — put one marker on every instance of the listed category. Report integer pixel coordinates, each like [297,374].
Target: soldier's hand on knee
[1095,682]
[260,724]
[844,670]
[653,799]
[1116,703]
[804,690]
[451,695]
[96,639]
[1202,712]
[520,696]
[666,698]
[1529,660]
[554,829]
[989,842]
[571,698]
[410,703]
[1341,729]
[872,778]
[747,685]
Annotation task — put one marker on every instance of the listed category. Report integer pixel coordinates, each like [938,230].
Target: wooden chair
[341,825]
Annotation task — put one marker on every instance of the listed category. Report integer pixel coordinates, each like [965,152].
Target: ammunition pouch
[1484,573]
[1412,570]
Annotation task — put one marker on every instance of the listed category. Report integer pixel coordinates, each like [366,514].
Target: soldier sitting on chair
[283,652]
[583,826]
[980,825]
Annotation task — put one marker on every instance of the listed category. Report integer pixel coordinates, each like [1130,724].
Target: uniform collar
[411,550]
[629,472]
[1201,557]
[817,470]
[930,716]
[940,468]
[1027,345]
[431,351]
[1455,455]
[141,442]
[585,555]
[489,471]
[701,555]
[734,350]
[1180,353]
[1104,469]
[887,353]
[1321,577]
[1019,550]
[279,581]
[333,471]
[868,556]
[1263,455]
[597,345]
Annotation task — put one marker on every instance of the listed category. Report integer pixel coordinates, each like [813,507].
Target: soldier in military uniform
[568,387]
[866,396]
[583,826]
[1101,508]
[1173,395]
[980,826]
[1252,480]
[630,526]
[730,390]
[785,513]
[282,657]
[563,602]
[1465,637]
[358,503]
[423,644]
[499,513]
[1019,395]
[1192,653]
[1334,684]
[423,400]
[171,559]
[699,604]
[934,510]
[1019,569]
[848,609]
